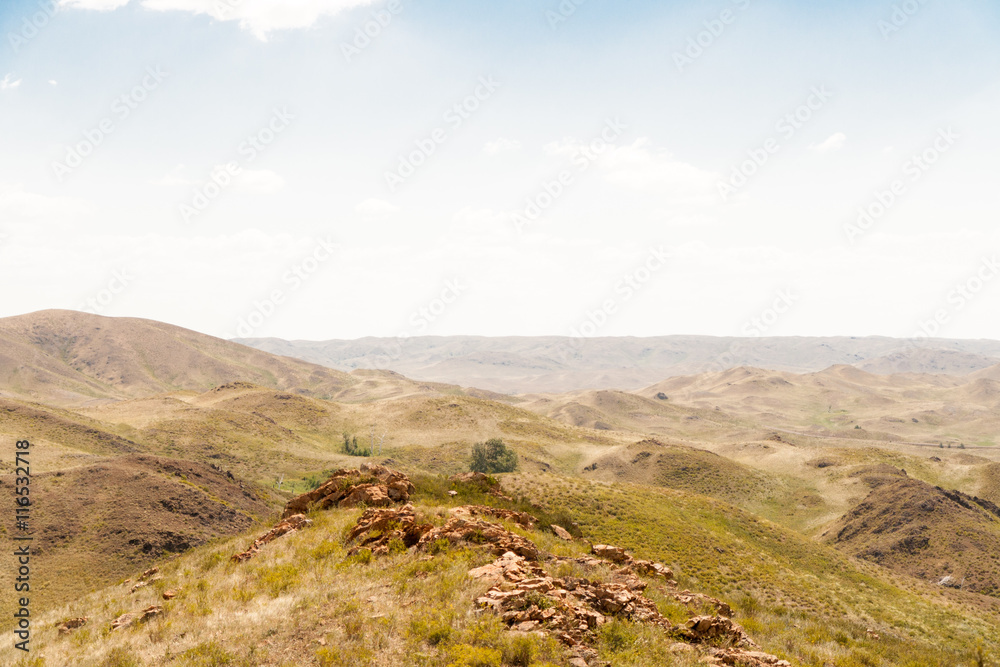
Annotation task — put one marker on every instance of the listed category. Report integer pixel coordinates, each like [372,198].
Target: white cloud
[259,181]
[53,82]
[501,145]
[639,167]
[16,203]
[7,82]
[256,16]
[832,143]
[478,226]
[174,178]
[376,209]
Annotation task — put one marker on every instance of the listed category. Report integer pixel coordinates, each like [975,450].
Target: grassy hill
[931,533]
[69,358]
[306,601]
[534,364]
[101,521]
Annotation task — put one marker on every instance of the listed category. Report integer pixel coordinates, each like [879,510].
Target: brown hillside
[68,358]
[924,531]
[683,468]
[98,523]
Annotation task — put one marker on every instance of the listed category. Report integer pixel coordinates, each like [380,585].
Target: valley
[848,514]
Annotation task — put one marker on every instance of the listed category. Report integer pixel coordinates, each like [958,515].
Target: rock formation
[372,485]
[289,525]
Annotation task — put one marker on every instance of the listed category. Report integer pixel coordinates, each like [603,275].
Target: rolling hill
[72,358]
[927,532]
[554,364]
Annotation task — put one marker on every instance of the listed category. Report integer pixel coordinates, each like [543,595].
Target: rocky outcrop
[712,628]
[377,529]
[289,525]
[571,609]
[372,485]
[477,478]
[690,599]
[71,624]
[486,483]
[737,657]
[561,533]
[133,617]
[622,557]
[520,518]
[476,531]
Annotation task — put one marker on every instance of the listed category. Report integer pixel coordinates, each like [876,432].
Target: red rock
[289,525]
[70,624]
[561,532]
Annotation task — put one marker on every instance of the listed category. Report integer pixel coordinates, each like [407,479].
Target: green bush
[353,448]
[474,656]
[492,456]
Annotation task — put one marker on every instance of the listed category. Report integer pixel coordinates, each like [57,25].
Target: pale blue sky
[886,94]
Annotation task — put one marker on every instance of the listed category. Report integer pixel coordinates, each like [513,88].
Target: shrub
[121,657]
[474,656]
[353,448]
[280,578]
[432,627]
[209,654]
[617,636]
[492,456]
[519,652]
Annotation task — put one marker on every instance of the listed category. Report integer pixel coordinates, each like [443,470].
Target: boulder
[133,617]
[285,526]
[369,495]
[477,531]
[561,532]
[71,624]
[688,598]
[710,628]
[387,525]
[346,488]
[613,554]
[520,518]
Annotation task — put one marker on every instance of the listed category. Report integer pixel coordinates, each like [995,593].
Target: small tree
[352,447]
[492,456]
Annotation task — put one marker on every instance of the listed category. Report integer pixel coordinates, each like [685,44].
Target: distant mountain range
[559,364]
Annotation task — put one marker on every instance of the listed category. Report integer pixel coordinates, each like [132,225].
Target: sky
[320,169]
